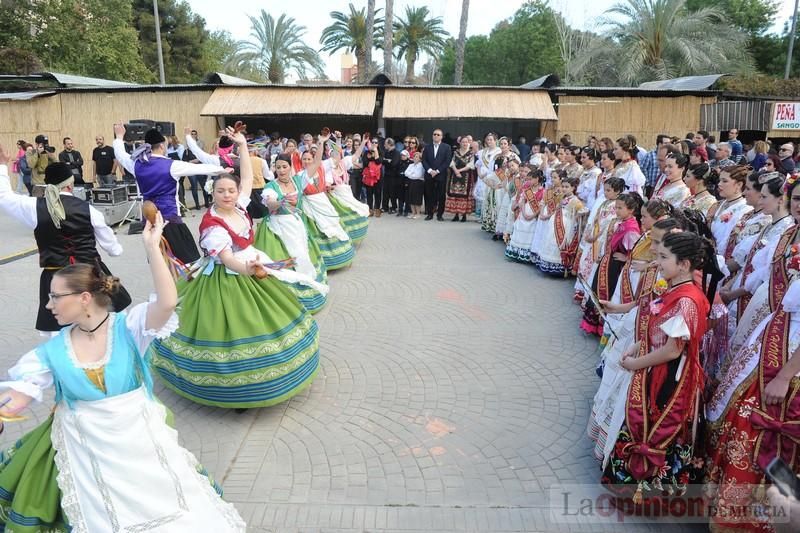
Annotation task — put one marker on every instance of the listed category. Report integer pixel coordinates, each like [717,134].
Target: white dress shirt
[23,208]
[178,168]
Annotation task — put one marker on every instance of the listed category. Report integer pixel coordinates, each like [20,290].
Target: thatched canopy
[291,100]
[467,102]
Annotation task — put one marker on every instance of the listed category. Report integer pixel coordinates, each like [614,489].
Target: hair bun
[110,285]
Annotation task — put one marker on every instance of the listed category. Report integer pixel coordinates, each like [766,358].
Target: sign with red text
[786,116]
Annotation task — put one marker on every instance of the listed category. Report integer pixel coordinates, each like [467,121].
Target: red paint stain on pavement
[452,295]
[438,428]
[437,450]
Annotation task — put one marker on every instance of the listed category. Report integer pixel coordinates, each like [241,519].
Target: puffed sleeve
[214,240]
[684,322]
[136,322]
[630,239]
[743,248]
[29,376]
[268,194]
[791,300]
[761,269]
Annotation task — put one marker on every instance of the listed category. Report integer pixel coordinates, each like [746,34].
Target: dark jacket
[441,162]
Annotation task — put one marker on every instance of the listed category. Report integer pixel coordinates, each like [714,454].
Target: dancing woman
[244,338]
[105,459]
[655,449]
[352,213]
[322,220]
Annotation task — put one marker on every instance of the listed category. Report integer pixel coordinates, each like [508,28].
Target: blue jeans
[198,181]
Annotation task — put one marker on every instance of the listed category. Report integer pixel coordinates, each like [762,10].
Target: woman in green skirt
[244,339]
[352,213]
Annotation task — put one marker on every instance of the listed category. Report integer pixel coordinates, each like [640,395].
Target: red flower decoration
[726,217]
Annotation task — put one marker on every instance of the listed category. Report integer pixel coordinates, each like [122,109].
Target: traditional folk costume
[600,219]
[745,434]
[460,200]
[675,193]
[528,206]
[352,212]
[591,187]
[702,201]
[157,177]
[505,196]
[655,449]
[242,342]
[282,233]
[484,165]
[608,408]
[549,205]
[623,239]
[323,223]
[559,246]
[105,460]
[67,231]
[632,175]
[724,220]
[495,184]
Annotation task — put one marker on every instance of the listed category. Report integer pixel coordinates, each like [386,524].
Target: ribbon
[770,440]
[643,460]
[225,155]
[142,153]
[52,197]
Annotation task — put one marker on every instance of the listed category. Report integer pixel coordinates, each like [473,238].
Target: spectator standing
[786,153]
[275,146]
[306,144]
[416,185]
[700,140]
[74,160]
[737,150]
[20,167]
[760,148]
[103,163]
[39,158]
[404,208]
[436,158]
[199,181]
[392,178]
[371,179]
[723,156]
[524,149]
[649,165]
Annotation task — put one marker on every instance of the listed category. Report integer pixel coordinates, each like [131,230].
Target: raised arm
[311,171]
[245,163]
[160,310]
[22,208]
[122,157]
[199,153]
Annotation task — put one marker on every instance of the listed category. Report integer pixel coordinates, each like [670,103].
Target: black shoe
[464,218]
[429,217]
[455,218]
[440,219]
[494,237]
[399,214]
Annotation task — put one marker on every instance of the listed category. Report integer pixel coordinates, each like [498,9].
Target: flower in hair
[209,186]
[660,287]
[789,181]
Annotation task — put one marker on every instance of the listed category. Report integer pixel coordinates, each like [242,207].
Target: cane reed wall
[82,115]
[614,116]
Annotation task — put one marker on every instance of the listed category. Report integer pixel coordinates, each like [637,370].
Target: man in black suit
[436,159]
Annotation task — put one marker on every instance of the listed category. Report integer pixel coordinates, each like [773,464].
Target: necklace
[90,332]
[681,283]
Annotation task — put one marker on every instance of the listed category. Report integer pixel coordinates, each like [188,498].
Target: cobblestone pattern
[454,391]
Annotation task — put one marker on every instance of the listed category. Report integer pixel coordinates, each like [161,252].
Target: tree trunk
[462,39]
[361,65]
[388,35]
[410,60]
[368,44]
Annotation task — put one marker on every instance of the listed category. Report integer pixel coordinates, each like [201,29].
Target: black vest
[73,243]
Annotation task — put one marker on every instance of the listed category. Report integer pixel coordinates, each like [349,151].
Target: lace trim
[69,496]
[94,365]
[166,330]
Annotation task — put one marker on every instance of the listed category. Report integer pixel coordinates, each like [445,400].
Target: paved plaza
[453,392]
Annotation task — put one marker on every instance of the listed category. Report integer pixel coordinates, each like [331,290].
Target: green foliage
[761,86]
[276,47]
[415,33]
[83,37]
[753,17]
[517,51]
[349,31]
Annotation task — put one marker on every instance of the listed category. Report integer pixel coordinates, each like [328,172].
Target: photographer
[39,157]
[74,161]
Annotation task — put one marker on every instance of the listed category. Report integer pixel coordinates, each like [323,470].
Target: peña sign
[786,116]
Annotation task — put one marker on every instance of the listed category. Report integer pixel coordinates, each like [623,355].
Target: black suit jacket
[441,162]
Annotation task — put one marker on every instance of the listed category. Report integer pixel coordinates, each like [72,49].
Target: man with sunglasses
[67,231]
[786,154]
[436,158]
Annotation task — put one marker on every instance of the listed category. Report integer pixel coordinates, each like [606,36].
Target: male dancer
[67,231]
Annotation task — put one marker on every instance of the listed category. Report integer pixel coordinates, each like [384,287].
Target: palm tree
[369,43]
[417,34]
[349,32]
[661,39]
[275,48]
[462,39]
[388,34]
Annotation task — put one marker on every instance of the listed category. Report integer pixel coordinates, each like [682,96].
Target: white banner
[786,116]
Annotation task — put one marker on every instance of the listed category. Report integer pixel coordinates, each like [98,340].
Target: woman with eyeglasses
[76,470]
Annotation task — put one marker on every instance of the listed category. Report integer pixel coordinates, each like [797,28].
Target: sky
[483,16]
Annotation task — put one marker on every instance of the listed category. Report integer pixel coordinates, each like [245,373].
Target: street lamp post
[158,43]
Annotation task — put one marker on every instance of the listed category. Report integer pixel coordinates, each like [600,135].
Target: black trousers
[391,192]
[355,184]
[434,196]
[374,195]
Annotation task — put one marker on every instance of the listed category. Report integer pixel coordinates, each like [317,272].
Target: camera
[135,129]
[45,143]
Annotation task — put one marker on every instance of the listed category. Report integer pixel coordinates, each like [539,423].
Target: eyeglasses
[437,134]
[54,296]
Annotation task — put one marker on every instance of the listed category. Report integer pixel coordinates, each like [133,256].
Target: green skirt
[242,342]
[272,245]
[354,224]
[336,254]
